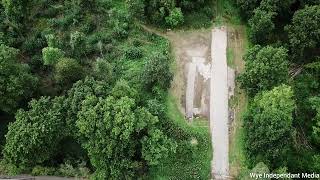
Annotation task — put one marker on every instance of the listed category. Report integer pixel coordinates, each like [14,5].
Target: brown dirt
[185,46]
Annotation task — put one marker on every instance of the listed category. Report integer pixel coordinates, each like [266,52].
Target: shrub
[52,41]
[51,55]
[268,126]
[261,25]
[265,68]
[175,18]
[133,53]
[77,43]
[120,24]
[103,70]
[136,8]
[68,71]
[16,81]
[42,171]
[157,71]
[34,136]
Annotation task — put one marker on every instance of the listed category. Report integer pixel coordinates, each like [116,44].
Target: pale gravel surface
[190,89]
[219,104]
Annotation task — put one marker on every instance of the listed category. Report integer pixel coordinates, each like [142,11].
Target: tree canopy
[304,33]
[17,82]
[103,123]
[268,125]
[269,64]
[34,136]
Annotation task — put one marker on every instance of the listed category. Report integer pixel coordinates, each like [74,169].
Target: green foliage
[34,136]
[103,70]
[73,171]
[78,93]
[260,168]
[171,13]
[103,123]
[133,53]
[261,25]
[136,8]
[17,83]
[304,34]
[156,145]
[77,43]
[157,71]
[175,18]
[305,86]
[315,103]
[15,10]
[122,139]
[68,71]
[51,55]
[193,142]
[316,163]
[268,126]
[52,40]
[280,6]
[265,68]
[42,171]
[120,24]
[247,6]
[122,89]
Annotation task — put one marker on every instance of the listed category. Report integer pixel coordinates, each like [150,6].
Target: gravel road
[219,104]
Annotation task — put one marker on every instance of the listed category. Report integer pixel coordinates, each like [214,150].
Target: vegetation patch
[194,153]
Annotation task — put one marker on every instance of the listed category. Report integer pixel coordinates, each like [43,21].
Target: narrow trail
[219,105]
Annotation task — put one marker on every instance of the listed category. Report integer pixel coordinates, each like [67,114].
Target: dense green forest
[281,78]
[84,90]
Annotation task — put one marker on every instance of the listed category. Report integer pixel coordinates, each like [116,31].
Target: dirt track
[219,104]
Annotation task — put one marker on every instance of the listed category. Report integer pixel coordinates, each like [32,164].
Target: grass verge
[194,153]
[230,57]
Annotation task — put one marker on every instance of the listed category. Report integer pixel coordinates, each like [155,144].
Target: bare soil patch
[191,51]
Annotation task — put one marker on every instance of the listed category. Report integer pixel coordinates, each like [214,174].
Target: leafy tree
[306,85]
[51,55]
[304,33]
[261,25]
[175,18]
[309,2]
[78,93]
[315,163]
[156,146]
[103,70]
[268,125]
[77,43]
[122,89]
[158,10]
[17,83]
[157,71]
[265,68]
[120,24]
[68,71]
[276,5]
[15,11]
[136,8]
[315,102]
[52,40]
[34,136]
[248,6]
[114,131]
